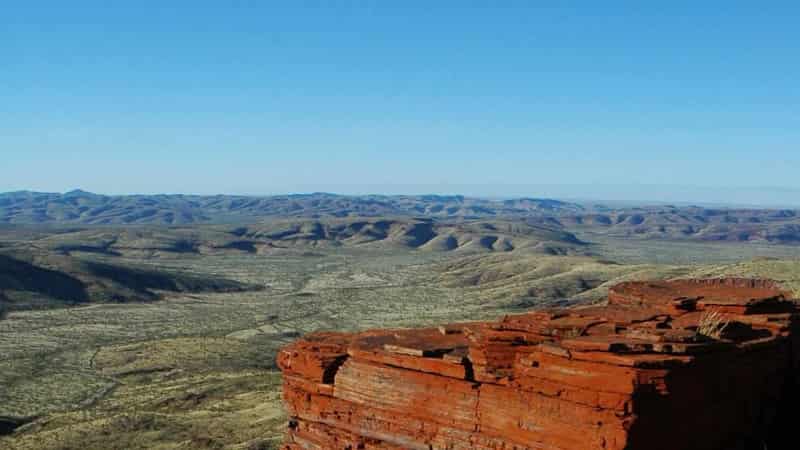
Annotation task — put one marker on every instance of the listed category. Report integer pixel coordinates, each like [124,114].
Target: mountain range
[86,208]
[81,208]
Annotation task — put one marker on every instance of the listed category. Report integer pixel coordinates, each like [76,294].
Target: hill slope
[688,223]
[80,207]
[44,279]
[274,235]
[655,222]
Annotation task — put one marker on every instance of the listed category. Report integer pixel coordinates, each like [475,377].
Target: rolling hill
[80,207]
[35,279]
[275,235]
[691,222]
[51,266]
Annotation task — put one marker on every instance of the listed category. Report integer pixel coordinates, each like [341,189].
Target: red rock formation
[633,374]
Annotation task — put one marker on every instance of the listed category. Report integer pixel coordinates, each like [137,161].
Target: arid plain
[173,343]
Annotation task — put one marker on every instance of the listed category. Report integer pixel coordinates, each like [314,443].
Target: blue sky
[693,101]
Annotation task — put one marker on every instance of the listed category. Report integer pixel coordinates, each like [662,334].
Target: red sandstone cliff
[634,374]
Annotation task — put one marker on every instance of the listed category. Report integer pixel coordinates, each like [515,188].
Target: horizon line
[489,197]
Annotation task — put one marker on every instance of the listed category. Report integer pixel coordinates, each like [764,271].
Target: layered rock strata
[689,364]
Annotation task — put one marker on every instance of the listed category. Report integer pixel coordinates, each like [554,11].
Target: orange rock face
[638,373]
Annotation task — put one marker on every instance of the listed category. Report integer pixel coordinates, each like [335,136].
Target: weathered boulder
[689,364]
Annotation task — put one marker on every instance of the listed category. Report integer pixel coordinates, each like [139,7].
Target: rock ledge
[648,370]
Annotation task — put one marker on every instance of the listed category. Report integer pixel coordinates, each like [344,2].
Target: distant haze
[642,194]
[611,195]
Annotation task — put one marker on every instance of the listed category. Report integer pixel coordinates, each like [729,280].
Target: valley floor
[197,370]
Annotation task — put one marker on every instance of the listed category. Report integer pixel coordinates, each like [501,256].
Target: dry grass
[712,324]
[194,371]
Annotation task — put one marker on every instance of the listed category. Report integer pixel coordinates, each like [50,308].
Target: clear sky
[678,100]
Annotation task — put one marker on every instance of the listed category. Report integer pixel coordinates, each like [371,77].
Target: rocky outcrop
[690,364]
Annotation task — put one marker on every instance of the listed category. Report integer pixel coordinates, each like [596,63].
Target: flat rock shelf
[684,364]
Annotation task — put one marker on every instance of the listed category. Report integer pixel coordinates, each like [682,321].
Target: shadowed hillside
[33,280]
[19,275]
